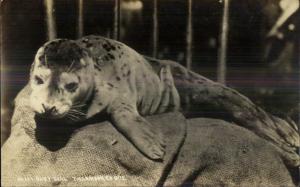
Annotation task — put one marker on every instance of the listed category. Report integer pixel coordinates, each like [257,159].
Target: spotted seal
[77,79]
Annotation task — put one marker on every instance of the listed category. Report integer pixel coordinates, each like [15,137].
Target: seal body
[75,80]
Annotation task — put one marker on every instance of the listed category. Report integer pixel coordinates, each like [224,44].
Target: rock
[199,151]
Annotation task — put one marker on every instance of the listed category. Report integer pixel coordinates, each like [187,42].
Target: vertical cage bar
[221,71]
[5,130]
[80,19]
[189,36]
[50,19]
[117,20]
[155,29]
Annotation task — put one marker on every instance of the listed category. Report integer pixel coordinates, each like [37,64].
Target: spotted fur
[79,79]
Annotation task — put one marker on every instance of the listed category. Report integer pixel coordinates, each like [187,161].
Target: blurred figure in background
[282,53]
[283,38]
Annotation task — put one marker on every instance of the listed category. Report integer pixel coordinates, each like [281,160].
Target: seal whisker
[76,112]
[70,118]
[76,106]
[46,62]
[73,116]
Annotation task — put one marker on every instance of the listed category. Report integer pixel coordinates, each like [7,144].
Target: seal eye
[38,80]
[71,87]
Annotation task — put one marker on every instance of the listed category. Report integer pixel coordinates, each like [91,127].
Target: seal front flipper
[140,132]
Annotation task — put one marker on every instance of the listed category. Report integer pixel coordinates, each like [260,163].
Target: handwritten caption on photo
[77,178]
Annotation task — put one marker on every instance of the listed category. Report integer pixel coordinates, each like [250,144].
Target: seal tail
[203,97]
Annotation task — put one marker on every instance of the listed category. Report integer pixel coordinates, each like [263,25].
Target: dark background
[270,81]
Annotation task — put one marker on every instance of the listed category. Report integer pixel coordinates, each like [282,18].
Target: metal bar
[117,20]
[155,29]
[50,19]
[189,36]
[221,71]
[4,127]
[80,19]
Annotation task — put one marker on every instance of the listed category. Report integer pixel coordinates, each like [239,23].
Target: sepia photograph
[150,93]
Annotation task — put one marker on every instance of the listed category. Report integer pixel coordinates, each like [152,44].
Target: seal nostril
[44,107]
[53,109]
[48,109]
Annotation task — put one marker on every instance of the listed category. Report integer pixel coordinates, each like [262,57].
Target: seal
[77,79]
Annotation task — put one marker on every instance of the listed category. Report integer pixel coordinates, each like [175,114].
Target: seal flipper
[139,131]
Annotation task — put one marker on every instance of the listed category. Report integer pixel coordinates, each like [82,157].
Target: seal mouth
[49,115]
[68,112]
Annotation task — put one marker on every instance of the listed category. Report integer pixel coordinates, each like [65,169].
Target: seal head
[61,80]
